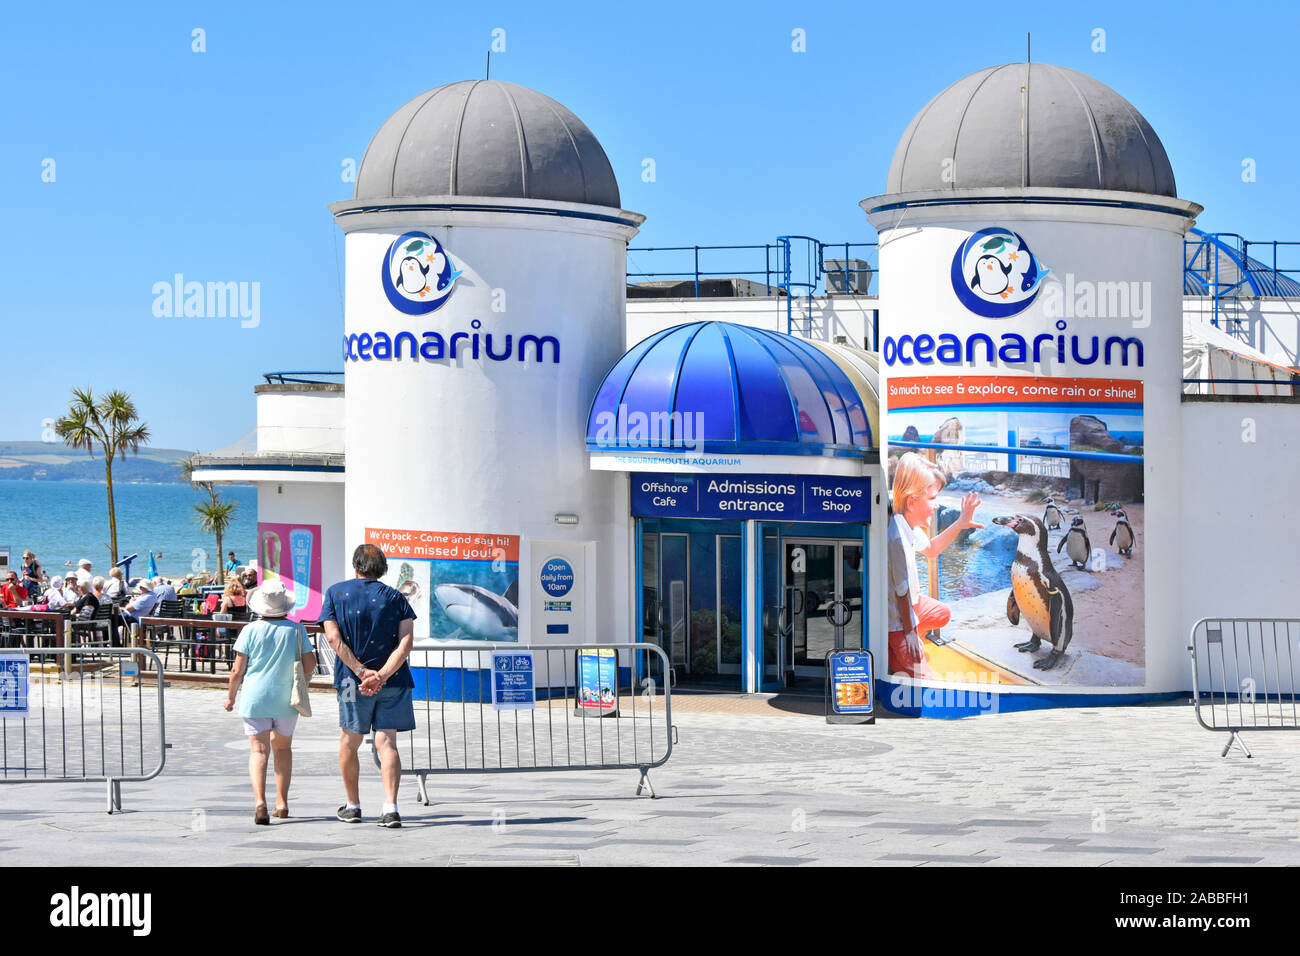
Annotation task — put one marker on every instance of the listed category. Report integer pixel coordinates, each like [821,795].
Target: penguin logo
[413,276]
[994,273]
[991,276]
[417,274]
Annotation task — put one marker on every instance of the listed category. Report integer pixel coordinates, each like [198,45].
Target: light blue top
[272,647]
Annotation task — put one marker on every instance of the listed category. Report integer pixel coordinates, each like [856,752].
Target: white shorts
[281,725]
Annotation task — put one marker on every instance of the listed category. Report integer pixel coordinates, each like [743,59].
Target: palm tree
[215,517]
[186,465]
[109,424]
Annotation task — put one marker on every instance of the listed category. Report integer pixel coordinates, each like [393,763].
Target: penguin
[1076,543]
[412,276]
[1038,592]
[1051,515]
[1122,537]
[991,275]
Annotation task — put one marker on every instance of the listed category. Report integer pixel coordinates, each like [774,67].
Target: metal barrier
[202,644]
[458,731]
[83,725]
[1244,675]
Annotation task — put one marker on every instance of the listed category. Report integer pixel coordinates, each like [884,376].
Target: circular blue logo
[417,274]
[994,274]
[556,577]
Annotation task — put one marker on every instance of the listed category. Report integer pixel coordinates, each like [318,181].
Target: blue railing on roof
[1220,265]
[302,378]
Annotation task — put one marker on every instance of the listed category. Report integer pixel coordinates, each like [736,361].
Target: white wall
[1240,511]
[297,418]
[829,317]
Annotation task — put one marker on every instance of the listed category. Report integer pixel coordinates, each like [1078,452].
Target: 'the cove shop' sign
[761,497]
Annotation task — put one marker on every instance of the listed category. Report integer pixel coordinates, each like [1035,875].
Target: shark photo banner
[463,586]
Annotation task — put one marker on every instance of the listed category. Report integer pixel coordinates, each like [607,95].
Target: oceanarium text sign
[763,497]
[995,275]
[418,276]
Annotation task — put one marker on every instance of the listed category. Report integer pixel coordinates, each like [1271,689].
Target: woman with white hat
[54,596]
[265,654]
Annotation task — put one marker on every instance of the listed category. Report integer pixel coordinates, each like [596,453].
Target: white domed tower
[486,260]
[1031,259]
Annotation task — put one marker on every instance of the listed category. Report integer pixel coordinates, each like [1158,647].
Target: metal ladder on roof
[808,286]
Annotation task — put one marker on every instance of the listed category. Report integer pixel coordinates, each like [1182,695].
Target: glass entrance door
[691,600]
[674,610]
[823,601]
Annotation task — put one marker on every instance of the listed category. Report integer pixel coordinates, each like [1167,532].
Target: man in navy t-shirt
[371,628]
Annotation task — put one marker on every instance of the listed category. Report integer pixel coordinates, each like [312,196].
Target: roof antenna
[1028,58]
[487,74]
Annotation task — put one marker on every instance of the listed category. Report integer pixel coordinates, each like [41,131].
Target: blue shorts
[390,709]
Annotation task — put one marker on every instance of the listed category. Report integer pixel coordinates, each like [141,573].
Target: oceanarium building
[554,446]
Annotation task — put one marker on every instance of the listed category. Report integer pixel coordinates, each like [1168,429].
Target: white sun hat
[271,600]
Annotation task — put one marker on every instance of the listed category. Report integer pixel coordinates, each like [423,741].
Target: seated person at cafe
[12,594]
[229,599]
[164,590]
[71,589]
[227,602]
[90,600]
[54,597]
[115,586]
[141,606]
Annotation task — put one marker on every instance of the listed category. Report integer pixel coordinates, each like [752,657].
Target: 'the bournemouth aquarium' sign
[418,277]
[771,497]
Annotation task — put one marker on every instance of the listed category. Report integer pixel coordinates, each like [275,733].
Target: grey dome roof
[1075,133]
[489,139]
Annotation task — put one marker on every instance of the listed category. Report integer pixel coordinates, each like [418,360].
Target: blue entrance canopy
[727,388]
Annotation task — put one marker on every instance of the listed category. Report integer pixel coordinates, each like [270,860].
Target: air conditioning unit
[857,271]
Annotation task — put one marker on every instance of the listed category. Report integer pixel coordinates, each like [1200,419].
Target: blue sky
[219,165]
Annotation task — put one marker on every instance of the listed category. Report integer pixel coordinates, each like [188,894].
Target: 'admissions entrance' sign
[742,497]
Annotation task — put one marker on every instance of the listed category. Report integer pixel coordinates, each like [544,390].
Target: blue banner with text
[761,497]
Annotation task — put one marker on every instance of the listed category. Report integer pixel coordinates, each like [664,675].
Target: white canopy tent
[1211,356]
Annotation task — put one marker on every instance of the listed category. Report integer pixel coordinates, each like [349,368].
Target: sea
[64,521]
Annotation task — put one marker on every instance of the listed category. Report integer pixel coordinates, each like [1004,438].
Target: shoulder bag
[299,696]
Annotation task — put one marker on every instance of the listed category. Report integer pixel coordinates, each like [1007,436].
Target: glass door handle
[839,613]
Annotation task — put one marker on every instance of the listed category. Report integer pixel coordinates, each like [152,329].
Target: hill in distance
[55,461]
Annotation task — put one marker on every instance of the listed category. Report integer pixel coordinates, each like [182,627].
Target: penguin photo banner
[463,586]
[1016,533]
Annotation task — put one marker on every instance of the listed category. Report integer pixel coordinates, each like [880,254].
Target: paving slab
[752,781]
